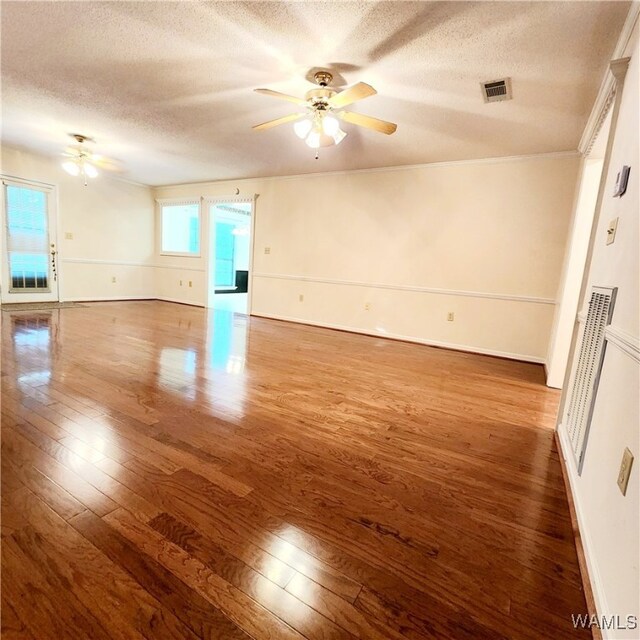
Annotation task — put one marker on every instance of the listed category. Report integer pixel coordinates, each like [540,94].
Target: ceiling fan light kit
[79,162]
[320,125]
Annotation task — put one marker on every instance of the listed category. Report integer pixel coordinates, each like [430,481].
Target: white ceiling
[165,88]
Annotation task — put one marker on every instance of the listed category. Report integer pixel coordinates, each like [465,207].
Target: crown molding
[404,167]
[606,93]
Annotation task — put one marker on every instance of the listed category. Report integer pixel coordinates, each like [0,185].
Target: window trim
[169,202]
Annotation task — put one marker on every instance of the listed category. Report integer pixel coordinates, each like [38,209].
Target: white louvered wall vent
[496,90]
[587,374]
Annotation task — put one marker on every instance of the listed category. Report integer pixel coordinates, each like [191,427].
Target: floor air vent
[587,374]
[496,90]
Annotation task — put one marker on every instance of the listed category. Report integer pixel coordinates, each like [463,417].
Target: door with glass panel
[29,253]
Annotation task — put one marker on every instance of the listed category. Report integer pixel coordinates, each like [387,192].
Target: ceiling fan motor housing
[319,98]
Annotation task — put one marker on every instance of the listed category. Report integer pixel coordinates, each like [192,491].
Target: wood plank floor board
[235,604]
[48,607]
[199,474]
[11,627]
[82,462]
[232,569]
[24,451]
[190,614]
[124,607]
[257,548]
[61,501]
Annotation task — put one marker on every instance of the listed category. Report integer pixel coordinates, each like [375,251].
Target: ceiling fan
[319,124]
[82,161]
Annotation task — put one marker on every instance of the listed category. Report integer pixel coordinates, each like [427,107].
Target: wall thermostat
[621,181]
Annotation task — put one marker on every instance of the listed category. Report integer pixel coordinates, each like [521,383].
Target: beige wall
[609,521]
[112,222]
[573,270]
[484,240]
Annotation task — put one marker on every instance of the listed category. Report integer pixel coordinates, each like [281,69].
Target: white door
[29,253]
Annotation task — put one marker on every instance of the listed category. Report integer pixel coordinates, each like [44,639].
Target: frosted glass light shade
[313,140]
[330,125]
[302,128]
[339,136]
[71,168]
[316,139]
[90,170]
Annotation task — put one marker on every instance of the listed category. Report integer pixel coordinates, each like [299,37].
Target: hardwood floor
[169,472]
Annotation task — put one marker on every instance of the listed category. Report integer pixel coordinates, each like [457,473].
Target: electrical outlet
[267,250]
[367,306]
[611,231]
[68,236]
[301,297]
[450,316]
[180,282]
[113,279]
[190,283]
[625,470]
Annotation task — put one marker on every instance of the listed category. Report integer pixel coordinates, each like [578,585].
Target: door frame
[207,203]
[51,191]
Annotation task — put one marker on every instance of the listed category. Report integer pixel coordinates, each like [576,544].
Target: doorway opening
[230,248]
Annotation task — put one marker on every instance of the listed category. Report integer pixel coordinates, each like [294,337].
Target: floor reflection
[177,370]
[226,352]
[226,341]
[31,344]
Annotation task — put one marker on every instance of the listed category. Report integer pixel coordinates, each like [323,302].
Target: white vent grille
[496,90]
[587,374]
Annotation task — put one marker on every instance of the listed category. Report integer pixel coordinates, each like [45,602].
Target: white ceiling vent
[496,90]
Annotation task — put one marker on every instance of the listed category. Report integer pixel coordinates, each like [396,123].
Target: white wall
[573,270]
[484,240]
[609,521]
[112,223]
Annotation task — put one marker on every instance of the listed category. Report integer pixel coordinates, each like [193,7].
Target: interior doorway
[29,253]
[230,249]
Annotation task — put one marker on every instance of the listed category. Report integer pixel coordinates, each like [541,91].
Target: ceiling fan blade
[275,123]
[108,164]
[282,96]
[367,121]
[352,94]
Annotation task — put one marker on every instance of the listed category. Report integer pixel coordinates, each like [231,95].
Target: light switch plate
[611,231]
[625,470]
[267,250]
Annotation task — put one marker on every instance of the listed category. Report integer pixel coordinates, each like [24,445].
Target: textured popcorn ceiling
[165,88]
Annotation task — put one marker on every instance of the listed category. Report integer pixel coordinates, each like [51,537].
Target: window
[27,238]
[180,229]
[225,241]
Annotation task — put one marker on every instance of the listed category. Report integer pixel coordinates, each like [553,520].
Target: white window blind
[27,238]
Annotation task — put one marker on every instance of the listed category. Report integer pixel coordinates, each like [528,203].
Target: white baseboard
[594,575]
[176,300]
[393,336]
[104,298]
[125,298]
